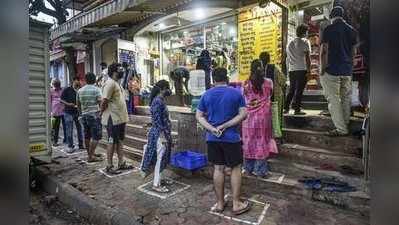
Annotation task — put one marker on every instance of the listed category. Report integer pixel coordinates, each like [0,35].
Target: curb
[88,208]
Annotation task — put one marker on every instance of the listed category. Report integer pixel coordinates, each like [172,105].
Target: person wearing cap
[337,50]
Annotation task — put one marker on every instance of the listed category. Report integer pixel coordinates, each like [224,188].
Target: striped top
[88,96]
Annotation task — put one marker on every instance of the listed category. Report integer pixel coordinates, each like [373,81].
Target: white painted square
[102,170]
[64,148]
[163,195]
[257,220]
[84,160]
[275,178]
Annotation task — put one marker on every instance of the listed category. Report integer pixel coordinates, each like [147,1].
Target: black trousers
[298,82]
[56,128]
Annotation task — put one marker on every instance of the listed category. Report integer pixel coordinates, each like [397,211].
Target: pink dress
[257,138]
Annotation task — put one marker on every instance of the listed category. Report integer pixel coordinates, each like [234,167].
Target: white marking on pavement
[258,222]
[166,195]
[118,175]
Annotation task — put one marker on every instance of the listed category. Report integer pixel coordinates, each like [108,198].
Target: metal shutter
[39,119]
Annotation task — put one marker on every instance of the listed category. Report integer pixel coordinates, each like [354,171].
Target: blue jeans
[70,119]
[258,167]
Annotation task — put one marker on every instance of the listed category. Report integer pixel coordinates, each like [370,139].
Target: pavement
[103,199]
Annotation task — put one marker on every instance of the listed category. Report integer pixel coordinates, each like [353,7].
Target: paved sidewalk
[190,200]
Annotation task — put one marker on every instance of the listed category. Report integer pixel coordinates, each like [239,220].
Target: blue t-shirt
[221,104]
[341,38]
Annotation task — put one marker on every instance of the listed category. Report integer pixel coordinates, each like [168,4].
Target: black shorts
[116,133]
[224,153]
[92,127]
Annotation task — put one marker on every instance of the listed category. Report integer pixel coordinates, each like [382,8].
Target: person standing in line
[114,116]
[298,63]
[257,138]
[337,50]
[89,99]
[204,63]
[161,131]
[278,78]
[57,111]
[68,98]
[127,77]
[104,75]
[221,110]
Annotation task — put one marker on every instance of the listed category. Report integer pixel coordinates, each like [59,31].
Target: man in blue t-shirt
[221,110]
[337,49]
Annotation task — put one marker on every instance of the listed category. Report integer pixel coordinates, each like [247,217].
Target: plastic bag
[276,123]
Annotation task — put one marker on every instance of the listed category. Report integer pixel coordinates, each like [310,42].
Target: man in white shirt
[298,64]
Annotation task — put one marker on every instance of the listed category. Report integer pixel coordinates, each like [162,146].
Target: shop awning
[115,13]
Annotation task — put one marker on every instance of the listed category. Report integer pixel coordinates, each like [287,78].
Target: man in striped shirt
[88,100]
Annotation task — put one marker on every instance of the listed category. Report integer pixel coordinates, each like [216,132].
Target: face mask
[167,93]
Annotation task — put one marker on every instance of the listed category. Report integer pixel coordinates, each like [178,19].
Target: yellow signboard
[37,147]
[259,29]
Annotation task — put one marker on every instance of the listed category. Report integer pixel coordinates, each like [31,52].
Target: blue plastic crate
[188,160]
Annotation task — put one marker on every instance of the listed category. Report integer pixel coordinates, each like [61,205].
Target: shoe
[286,111]
[56,145]
[70,150]
[81,147]
[299,113]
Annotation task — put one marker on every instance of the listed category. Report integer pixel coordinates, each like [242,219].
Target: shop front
[233,36]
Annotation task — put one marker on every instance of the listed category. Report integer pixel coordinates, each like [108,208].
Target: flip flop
[96,159]
[216,210]
[98,155]
[243,210]
[125,166]
[161,189]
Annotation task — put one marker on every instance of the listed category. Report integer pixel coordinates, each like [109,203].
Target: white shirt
[296,50]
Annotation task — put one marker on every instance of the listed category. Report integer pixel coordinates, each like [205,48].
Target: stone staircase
[305,151]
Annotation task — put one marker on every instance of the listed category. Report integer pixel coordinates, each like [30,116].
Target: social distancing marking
[275,178]
[84,160]
[125,172]
[254,216]
[175,188]
[76,152]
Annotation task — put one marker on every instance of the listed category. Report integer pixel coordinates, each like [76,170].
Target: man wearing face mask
[114,117]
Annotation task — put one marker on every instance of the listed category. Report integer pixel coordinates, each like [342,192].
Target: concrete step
[314,98]
[316,122]
[141,130]
[318,139]
[299,170]
[146,119]
[315,105]
[173,111]
[318,157]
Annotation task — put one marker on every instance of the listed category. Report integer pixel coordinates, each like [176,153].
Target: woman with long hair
[257,138]
[157,151]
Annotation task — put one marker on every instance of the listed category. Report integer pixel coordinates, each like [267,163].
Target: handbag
[276,128]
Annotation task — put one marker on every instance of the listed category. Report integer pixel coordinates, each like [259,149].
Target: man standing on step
[220,110]
[298,63]
[89,98]
[337,50]
[114,117]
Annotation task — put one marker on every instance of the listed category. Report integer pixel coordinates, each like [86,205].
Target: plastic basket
[188,160]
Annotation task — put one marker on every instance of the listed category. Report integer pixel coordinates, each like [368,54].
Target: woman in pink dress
[257,138]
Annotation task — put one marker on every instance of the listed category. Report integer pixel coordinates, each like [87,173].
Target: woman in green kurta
[274,73]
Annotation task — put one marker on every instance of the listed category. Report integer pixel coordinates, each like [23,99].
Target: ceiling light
[199,13]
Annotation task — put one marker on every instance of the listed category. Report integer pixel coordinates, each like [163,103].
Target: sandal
[111,171]
[95,159]
[160,189]
[216,210]
[125,166]
[99,155]
[336,133]
[243,210]
[167,182]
